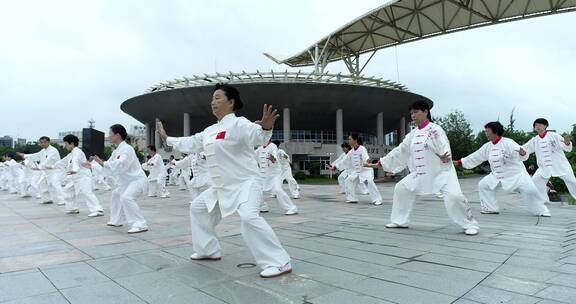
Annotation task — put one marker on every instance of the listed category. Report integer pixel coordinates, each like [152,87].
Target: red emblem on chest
[221,135]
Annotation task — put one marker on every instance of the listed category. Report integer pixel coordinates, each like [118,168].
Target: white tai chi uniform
[81,179]
[51,183]
[271,177]
[4,176]
[508,171]
[132,183]
[428,175]
[157,176]
[358,156]
[344,165]
[99,179]
[182,170]
[551,160]
[284,160]
[229,147]
[17,183]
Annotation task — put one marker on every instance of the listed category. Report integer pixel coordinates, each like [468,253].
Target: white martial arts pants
[157,187]
[83,190]
[183,181]
[292,183]
[456,204]
[342,181]
[124,201]
[352,182]
[257,234]
[196,191]
[53,189]
[541,181]
[529,193]
[281,196]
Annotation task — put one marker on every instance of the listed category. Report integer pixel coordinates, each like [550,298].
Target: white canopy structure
[402,21]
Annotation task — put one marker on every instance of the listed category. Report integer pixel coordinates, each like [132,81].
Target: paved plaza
[341,254]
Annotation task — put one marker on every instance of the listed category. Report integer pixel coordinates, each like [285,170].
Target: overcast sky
[64,62]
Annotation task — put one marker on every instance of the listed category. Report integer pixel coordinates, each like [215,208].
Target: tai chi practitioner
[51,183]
[132,181]
[182,167]
[359,173]
[508,171]
[4,178]
[157,174]
[81,179]
[98,177]
[229,147]
[271,177]
[17,184]
[549,148]
[426,152]
[172,171]
[286,175]
[342,164]
[200,177]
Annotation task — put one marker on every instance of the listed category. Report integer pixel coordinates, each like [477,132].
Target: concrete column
[286,125]
[380,128]
[156,139]
[339,127]
[402,129]
[186,124]
[147,134]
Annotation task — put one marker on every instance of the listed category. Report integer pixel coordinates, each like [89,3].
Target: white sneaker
[546,214]
[198,257]
[471,231]
[393,225]
[137,229]
[352,202]
[272,272]
[113,225]
[164,195]
[61,203]
[73,211]
[46,202]
[97,213]
[365,193]
[377,203]
[489,212]
[296,197]
[291,212]
[151,195]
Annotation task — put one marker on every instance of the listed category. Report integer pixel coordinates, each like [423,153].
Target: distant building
[21,142]
[7,142]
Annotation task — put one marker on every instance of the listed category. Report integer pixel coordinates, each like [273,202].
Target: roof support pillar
[186,130]
[286,124]
[147,133]
[157,141]
[339,129]
[402,129]
[380,128]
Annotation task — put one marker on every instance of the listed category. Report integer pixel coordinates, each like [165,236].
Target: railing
[276,77]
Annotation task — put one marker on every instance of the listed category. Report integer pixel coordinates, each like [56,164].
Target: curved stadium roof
[402,21]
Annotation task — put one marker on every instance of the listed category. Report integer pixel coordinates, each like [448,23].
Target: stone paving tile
[342,253]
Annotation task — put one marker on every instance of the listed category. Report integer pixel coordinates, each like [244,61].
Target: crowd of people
[229,166]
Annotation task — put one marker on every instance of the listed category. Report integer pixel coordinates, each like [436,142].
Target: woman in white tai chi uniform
[359,173]
[157,174]
[284,160]
[426,152]
[132,181]
[506,162]
[236,187]
[550,157]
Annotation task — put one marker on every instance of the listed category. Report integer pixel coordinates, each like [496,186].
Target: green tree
[459,133]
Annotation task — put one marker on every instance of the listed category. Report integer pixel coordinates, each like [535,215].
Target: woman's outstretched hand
[269,116]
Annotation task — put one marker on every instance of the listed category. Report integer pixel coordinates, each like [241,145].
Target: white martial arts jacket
[47,159]
[357,157]
[550,155]
[200,175]
[124,165]
[156,167]
[73,163]
[16,171]
[505,162]
[420,151]
[229,147]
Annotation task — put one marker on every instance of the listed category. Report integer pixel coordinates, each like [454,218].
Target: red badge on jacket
[221,135]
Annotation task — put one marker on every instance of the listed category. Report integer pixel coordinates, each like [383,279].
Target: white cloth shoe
[377,203]
[471,231]
[393,225]
[97,213]
[291,212]
[271,272]
[73,211]
[46,202]
[61,203]
[114,225]
[546,214]
[489,212]
[137,229]
[198,257]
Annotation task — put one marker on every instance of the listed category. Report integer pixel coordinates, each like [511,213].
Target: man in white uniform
[284,160]
[550,148]
[508,171]
[51,184]
[426,152]
[132,181]
[16,184]
[157,174]
[271,177]
[81,179]
[182,169]
[359,173]
[236,187]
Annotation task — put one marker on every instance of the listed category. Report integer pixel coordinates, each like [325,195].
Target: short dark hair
[541,121]
[496,127]
[11,155]
[152,147]
[276,142]
[346,145]
[422,106]
[231,93]
[356,137]
[119,129]
[71,139]
[46,138]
